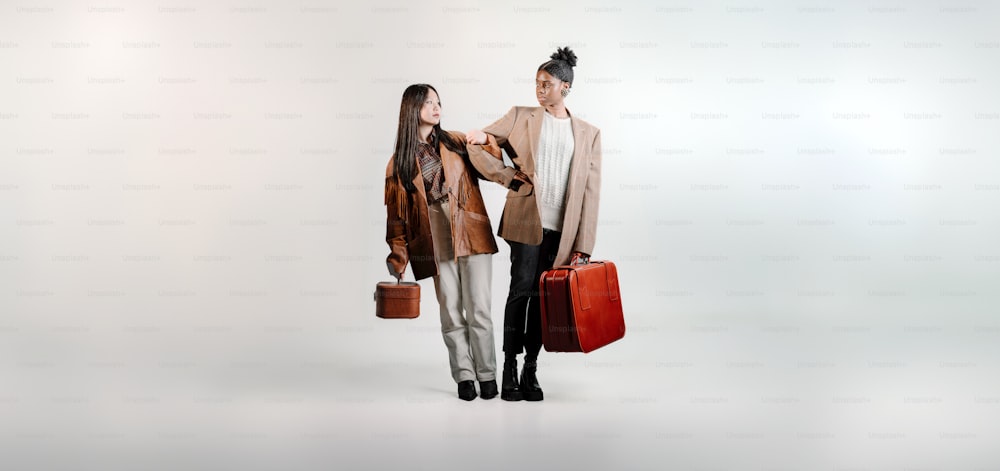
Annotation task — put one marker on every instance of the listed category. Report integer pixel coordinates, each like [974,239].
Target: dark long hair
[561,65]
[404,160]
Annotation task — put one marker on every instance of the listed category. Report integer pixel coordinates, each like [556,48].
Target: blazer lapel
[581,160]
[534,133]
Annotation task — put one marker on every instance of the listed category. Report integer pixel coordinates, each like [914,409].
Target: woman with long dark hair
[550,217]
[436,221]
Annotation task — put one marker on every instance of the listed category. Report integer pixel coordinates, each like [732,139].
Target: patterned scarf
[433,172]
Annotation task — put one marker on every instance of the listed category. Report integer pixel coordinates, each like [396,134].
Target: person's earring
[564,92]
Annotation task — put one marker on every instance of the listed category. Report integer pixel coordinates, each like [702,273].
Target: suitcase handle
[375,293]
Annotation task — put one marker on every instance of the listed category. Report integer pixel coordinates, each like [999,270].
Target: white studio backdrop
[802,200]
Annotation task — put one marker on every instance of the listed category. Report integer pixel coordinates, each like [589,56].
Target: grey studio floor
[329,386]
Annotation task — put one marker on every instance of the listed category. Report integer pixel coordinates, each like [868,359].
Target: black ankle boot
[509,389]
[466,390]
[530,389]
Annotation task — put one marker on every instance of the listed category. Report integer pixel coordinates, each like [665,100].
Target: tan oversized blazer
[518,132]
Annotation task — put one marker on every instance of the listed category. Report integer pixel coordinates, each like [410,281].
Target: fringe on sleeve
[395,197]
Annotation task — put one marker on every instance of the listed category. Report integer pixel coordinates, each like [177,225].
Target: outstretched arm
[484,151]
[500,129]
[488,161]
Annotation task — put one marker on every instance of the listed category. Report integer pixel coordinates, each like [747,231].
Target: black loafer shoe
[488,389]
[467,390]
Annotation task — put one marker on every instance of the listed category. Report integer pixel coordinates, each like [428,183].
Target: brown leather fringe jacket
[408,230]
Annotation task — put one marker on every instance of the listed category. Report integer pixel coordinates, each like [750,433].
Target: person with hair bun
[550,217]
[437,222]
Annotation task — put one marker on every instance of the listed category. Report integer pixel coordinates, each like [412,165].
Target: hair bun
[566,55]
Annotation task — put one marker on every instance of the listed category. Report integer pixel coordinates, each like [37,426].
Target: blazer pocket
[477,217]
[477,227]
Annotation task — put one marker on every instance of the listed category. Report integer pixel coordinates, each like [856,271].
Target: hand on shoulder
[475,136]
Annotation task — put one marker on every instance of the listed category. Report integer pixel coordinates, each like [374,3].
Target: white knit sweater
[554,155]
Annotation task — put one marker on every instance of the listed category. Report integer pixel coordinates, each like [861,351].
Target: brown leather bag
[399,300]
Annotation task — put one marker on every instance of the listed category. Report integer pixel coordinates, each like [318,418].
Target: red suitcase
[581,307]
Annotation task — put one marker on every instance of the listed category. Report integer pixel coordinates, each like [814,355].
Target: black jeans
[522,319]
